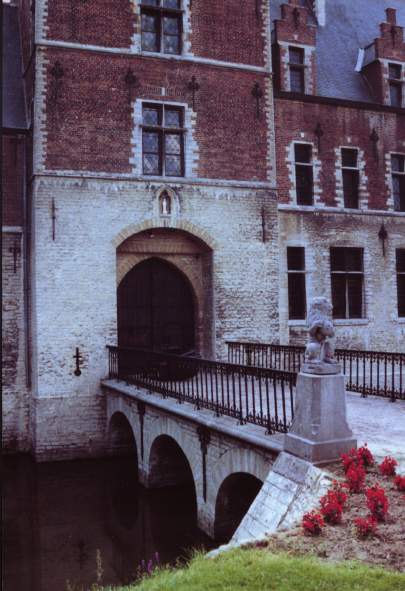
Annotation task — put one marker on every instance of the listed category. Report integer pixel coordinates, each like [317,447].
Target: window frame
[350,169]
[159,12]
[309,165]
[347,274]
[296,272]
[162,130]
[400,274]
[298,67]
[400,175]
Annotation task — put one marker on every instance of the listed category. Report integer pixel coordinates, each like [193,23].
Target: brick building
[176,155]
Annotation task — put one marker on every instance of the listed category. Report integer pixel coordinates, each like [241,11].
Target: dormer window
[297,69]
[395,84]
[161,23]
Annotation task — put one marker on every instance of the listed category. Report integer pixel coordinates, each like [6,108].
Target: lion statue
[320,347]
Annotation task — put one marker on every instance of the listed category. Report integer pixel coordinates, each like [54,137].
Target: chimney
[391,16]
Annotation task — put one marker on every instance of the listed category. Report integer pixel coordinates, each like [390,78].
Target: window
[398,181]
[401,281]
[297,70]
[304,177]
[347,282]
[350,174]
[161,24]
[297,308]
[162,140]
[395,84]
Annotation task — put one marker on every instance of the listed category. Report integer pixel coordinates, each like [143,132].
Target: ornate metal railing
[367,372]
[250,394]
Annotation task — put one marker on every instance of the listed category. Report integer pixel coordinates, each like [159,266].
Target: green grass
[259,570]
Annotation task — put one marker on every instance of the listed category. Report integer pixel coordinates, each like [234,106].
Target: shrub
[366,527]
[339,488]
[388,466]
[366,456]
[399,482]
[331,509]
[349,459]
[377,502]
[355,478]
[312,523]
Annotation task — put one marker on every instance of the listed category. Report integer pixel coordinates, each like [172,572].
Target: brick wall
[341,126]
[89,117]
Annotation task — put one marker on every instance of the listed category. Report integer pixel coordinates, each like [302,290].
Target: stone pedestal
[320,432]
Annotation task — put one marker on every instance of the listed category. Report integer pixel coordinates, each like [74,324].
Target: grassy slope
[259,570]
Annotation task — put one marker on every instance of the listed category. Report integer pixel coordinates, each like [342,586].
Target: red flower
[365,455]
[355,478]
[338,489]
[388,466]
[377,502]
[365,526]
[399,482]
[349,459]
[312,523]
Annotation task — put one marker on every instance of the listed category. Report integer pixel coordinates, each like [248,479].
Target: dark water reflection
[57,515]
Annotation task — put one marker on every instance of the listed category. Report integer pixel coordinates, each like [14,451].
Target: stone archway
[189,257]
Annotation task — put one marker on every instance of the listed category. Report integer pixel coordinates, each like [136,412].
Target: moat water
[58,517]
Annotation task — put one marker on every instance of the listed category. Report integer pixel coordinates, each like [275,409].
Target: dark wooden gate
[156,309]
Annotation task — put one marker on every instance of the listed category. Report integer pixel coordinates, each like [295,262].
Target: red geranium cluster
[399,482]
[355,478]
[388,466]
[366,526]
[331,509]
[377,502]
[366,456]
[354,464]
[312,523]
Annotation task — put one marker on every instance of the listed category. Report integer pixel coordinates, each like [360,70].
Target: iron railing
[257,395]
[374,373]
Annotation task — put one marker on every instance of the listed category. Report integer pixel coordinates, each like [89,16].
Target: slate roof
[350,25]
[14,116]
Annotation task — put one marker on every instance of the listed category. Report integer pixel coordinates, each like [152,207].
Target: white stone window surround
[361,165]
[388,178]
[190,145]
[308,263]
[385,68]
[366,294]
[309,51]
[136,44]
[316,170]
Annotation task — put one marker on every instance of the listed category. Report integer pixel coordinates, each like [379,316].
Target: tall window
[398,181]
[347,282]
[304,176]
[350,173]
[296,283]
[395,84]
[162,140]
[297,69]
[401,281]
[161,23]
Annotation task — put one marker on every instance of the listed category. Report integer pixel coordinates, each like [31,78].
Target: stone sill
[297,323]
[350,321]
[317,210]
[400,320]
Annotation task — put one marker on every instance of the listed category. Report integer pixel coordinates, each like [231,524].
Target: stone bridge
[175,444]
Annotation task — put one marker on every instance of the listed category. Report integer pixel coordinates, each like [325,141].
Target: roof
[14,116]
[350,25]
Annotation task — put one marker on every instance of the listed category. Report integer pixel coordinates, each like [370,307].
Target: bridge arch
[236,493]
[168,464]
[121,437]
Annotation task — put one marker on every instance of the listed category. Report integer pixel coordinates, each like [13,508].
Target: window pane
[296,296]
[401,294]
[150,142]
[398,163]
[150,42]
[355,295]
[149,23]
[173,165]
[150,2]
[349,157]
[172,118]
[295,258]
[304,183]
[353,259]
[337,259]
[171,3]
[303,153]
[395,95]
[351,188]
[297,80]
[171,25]
[395,71]
[401,260]
[296,55]
[151,116]
[151,164]
[171,44]
[398,184]
[339,296]
[172,143]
